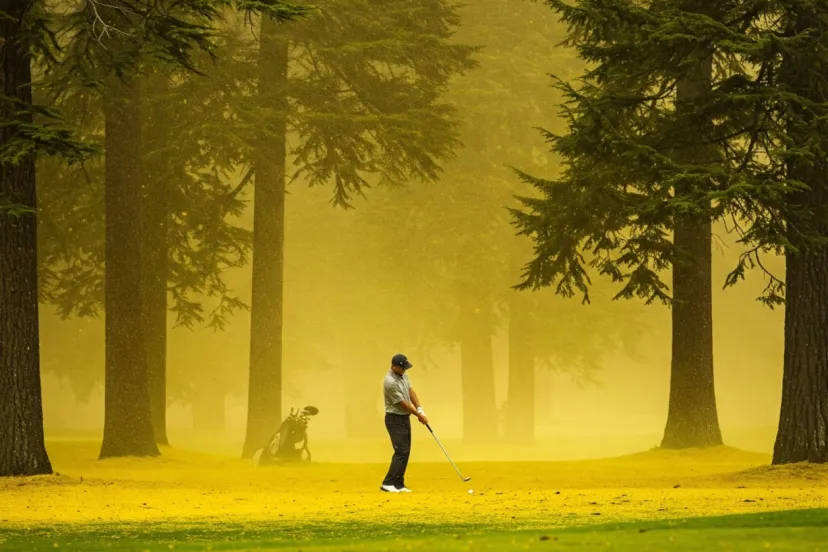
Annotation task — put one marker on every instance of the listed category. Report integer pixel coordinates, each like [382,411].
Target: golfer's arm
[408,406]
[414,398]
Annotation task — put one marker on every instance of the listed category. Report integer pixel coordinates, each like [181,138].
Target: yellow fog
[404,271]
[343,324]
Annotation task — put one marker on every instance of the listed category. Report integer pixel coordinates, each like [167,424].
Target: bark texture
[127,412]
[802,435]
[22,451]
[803,422]
[154,248]
[264,409]
[692,420]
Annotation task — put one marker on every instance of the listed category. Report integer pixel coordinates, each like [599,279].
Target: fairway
[795,530]
[413,275]
[192,501]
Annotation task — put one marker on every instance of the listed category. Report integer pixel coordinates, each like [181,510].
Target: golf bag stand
[290,442]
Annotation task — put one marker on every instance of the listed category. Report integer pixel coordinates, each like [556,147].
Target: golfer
[400,402]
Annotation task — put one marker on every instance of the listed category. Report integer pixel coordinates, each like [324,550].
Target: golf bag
[290,442]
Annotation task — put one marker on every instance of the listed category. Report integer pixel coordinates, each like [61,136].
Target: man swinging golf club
[400,403]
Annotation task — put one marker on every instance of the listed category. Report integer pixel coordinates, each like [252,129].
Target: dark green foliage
[169,32]
[628,179]
[640,161]
[99,46]
[196,169]
[616,200]
[442,243]
[32,130]
[73,54]
[39,140]
[614,205]
[21,412]
[185,153]
[351,97]
[183,115]
[364,92]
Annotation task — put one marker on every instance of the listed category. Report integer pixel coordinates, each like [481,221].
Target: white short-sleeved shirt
[396,389]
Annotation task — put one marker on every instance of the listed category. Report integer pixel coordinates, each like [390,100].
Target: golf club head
[466,479]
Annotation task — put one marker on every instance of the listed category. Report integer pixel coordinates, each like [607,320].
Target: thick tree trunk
[264,409]
[520,402]
[127,412]
[692,420]
[155,327]
[802,435]
[154,228]
[803,420]
[22,451]
[480,423]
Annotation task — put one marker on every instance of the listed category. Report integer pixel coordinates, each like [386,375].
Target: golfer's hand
[422,418]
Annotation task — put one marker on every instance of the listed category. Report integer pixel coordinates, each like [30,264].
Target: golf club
[464,479]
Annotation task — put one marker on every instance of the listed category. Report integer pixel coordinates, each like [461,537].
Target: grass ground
[792,530]
[692,500]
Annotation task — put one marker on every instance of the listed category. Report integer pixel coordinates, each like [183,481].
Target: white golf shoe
[389,489]
[404,490]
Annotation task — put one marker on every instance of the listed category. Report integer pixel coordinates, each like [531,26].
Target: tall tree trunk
[803,422]
[692,420]
[520,402]
[22,451]
[480,423]
[154,244]
[127,411]
[264,408]
[802,435]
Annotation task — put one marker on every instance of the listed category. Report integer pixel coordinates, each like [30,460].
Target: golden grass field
[182,488]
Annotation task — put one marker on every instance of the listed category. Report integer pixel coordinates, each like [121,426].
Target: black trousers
[399,429]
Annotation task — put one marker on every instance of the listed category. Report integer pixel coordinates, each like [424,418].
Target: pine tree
[632,133]
[128,427]
[112,43]
[692,418]
[798,95]
[21,412]
[181,113]
[201,35]
[357,86]
[187,191]
[27,131]
[190,202]
[761,115]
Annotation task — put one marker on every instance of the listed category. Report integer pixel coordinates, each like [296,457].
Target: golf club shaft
[446,453]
